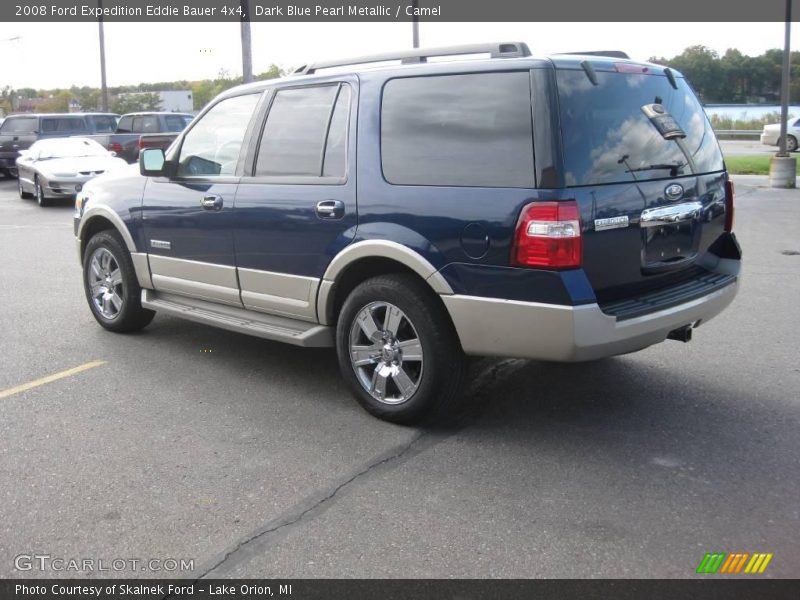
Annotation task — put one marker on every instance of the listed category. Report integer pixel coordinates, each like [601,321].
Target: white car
[59,167]
[772,133]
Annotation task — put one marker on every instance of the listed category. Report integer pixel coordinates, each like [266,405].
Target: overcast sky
[50,55]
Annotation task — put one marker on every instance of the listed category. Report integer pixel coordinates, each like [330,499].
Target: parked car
[19,131]
[771,134]
[550,208]
[143,130]
[59,167]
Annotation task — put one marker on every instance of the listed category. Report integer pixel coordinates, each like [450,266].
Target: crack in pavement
[421,442]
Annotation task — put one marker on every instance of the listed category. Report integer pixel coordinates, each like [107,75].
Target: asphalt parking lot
[250,458]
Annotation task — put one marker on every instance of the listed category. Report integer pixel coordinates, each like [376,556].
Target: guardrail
[738,134]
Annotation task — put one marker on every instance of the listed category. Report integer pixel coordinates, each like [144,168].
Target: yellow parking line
[50,378]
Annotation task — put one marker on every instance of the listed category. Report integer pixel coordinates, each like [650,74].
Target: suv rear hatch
[652,203]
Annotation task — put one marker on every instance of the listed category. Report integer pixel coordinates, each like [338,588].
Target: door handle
[211,202]
[330,209]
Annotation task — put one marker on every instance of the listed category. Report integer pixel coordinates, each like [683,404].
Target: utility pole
[782,166]
[415,25]
[247,51]
[103,85]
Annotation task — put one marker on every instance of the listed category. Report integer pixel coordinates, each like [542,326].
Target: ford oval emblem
[673,191]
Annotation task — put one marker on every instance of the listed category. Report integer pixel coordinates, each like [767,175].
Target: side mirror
[152,162]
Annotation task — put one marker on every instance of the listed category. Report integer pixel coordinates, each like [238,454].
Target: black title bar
[392,10]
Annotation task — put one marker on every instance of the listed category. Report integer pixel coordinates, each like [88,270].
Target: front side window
[176,122]
[458,130]
[212,146]
[306,133]
[124,125]
[104,124]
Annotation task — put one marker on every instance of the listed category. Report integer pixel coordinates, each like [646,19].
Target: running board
[271,327]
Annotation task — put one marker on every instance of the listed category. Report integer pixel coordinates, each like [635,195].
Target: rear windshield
[19,125]
[608,139]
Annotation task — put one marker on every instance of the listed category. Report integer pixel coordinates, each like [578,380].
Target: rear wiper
[673,168]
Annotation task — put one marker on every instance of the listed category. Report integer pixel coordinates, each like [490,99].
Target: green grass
[750,165]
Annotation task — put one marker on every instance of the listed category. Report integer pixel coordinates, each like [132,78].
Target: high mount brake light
[548,236]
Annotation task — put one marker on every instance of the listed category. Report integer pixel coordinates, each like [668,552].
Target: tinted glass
[336,148]
[104,124]
[458,130]
[145,124]
[124,125]
[175,122]
[294,134]
[607,137]
[212,146]
[19,125]
[49,125]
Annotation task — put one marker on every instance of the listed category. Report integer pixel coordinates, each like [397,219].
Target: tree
[134,102]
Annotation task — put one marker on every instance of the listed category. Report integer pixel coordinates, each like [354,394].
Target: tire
[791,143]
[110,284]
[12,173]
[414,387]
[22,193]
[39,192]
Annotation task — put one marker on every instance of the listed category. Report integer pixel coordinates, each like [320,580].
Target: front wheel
[111,287]
[39,191]
[22,193]
[398,350]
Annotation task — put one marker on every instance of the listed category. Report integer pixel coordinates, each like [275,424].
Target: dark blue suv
[562,208]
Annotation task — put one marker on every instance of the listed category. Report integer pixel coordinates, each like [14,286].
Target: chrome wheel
[386,353]
[105,283]
[39,192]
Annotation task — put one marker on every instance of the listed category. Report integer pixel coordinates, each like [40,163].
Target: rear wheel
[398,350]
[110,283]
[22,193]
[39,192]
[791,143]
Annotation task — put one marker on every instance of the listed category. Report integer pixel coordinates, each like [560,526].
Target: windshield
[608,139]
[67,148]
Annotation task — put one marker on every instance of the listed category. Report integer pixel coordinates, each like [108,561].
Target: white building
[177,101]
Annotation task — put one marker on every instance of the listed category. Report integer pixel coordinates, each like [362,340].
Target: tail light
[549,236]
[141,143]
[729,209]
[115,147]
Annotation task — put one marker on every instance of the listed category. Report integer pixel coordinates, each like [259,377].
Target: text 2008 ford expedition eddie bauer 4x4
[562,208]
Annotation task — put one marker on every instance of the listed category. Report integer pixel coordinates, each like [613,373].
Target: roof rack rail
[421,55]
[608,53]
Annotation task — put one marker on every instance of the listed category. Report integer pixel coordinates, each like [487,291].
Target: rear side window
[63,125]
[458,130]
[306,133]
[608,139]
[145,124]
[19,125]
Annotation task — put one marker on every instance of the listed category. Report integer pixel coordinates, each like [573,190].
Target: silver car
[59,167]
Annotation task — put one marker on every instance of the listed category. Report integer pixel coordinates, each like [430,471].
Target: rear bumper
[770,139]
[492,327]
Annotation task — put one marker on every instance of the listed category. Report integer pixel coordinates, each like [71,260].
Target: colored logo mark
[736,562]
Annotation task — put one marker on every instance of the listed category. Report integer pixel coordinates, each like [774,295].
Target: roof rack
[421,55]
[608,53]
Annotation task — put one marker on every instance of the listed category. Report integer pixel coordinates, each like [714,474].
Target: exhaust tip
[681,334]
